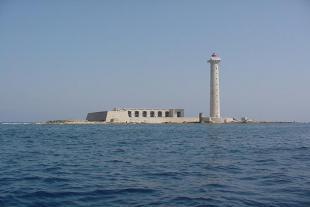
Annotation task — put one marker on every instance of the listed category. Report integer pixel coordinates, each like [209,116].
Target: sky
[62,59]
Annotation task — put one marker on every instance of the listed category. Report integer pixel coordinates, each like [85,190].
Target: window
[144,114]
[167,114]
[178,114]
[136,113]
[160,114]
[152,114]
[129,113]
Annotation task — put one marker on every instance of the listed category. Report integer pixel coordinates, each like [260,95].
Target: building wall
[159,120]
[121,116]
[97,116]
[135,113]
[118,117]
[174,112]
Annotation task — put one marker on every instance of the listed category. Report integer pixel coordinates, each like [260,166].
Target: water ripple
[155,165]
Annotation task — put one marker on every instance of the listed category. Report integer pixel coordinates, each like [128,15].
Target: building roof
[141,109]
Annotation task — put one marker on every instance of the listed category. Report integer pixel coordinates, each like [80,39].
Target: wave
[48,194]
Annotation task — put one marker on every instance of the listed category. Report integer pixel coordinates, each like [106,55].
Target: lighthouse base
[216,120]
[211,120]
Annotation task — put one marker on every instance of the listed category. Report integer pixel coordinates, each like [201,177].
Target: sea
[155,165]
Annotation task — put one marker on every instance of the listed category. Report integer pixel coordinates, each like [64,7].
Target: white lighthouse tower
[215,114]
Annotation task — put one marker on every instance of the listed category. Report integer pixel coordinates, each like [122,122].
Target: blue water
[155,165]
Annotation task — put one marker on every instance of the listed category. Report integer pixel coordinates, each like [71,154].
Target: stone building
[140,115]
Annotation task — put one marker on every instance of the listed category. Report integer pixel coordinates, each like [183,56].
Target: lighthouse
[215,114]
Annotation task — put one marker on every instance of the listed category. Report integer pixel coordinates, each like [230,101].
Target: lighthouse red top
[214,55]
[214,58]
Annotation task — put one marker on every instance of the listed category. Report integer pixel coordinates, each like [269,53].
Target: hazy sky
[62,59]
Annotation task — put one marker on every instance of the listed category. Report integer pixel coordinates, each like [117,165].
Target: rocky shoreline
[80,122]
